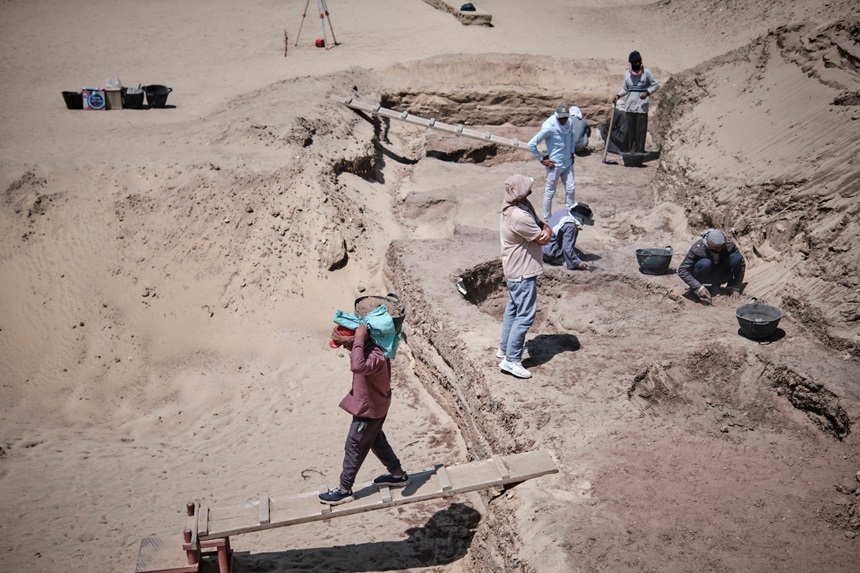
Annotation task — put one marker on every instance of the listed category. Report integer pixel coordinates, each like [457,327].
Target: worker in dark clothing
[712,261]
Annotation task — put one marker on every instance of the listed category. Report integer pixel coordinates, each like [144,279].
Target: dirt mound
[786,187]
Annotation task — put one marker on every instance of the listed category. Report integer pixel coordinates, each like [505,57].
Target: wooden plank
[163,555]
[458,129]
[444,480]
[386,493]
[324,508]
[203,523]
[425,485]
[264,510]
[414,119]
[192,523]
[501,467]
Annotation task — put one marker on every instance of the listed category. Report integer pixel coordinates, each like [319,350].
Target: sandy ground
[169,277]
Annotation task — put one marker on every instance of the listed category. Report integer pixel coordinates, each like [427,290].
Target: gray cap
[715,238]
[563,110]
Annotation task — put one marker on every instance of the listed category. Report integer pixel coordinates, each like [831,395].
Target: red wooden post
[191,554]
[224,559]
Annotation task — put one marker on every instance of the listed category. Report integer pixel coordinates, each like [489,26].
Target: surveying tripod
[322,8]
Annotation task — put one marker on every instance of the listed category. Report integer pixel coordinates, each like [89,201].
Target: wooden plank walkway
[207,530]
[271,512]
[405,116]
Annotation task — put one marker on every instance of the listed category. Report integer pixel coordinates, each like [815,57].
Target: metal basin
[758,320]
[654,261]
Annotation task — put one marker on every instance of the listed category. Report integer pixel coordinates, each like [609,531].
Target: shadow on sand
[543,347]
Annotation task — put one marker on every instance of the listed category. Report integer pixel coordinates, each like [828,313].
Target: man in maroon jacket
[368,402]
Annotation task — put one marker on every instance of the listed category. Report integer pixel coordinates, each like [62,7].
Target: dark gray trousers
[637,129]
[366,435]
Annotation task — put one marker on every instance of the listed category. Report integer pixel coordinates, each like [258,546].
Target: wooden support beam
[324,508]
[192,522]
[444,480]
[203,523]
[432,123]
[264,511]
[386,493]
[501,467]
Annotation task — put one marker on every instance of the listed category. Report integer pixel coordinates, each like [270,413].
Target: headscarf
[341,336]
[563,129]
[517,187]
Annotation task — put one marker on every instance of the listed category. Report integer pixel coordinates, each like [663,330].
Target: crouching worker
[712,261]
[368,402]
[565,225]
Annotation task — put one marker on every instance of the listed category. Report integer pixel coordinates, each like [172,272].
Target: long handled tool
[609,133]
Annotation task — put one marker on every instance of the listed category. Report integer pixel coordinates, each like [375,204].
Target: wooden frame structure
[207,530]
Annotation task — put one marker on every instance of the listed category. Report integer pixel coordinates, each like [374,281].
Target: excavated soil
[681,445]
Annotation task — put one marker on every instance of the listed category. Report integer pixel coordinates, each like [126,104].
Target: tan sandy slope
[168,280]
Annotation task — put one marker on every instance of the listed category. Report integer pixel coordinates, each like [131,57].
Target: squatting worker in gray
[557,133]
[522,234]
[639,85]
[712,261]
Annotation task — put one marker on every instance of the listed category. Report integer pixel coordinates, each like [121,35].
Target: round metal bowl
[758,320]
[654,261]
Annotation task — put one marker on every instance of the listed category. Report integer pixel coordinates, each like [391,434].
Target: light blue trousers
[553,176]
[519,317]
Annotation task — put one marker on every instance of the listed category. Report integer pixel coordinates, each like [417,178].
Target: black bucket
[654,261]
[758,320]
[391,302]
[74,100]
[633,159]
[156,96]
[133,98]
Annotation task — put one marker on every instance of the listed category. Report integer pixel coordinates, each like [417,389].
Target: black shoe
[393,481]
[336,496]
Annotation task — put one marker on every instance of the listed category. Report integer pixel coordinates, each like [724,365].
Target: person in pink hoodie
[368,402]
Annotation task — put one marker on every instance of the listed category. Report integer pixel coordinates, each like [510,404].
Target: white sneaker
[514,368]
[501,353]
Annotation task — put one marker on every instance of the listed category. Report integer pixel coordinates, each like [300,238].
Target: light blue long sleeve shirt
[559,146]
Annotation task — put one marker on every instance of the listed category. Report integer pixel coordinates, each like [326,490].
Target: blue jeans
[553,176]
[707,272]
[519,317]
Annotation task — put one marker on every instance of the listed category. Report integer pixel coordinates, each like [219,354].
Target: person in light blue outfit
[558,136]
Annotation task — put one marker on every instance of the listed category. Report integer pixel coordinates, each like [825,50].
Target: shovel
[609,136]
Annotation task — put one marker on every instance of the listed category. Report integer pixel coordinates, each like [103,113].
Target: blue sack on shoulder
[380,326]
